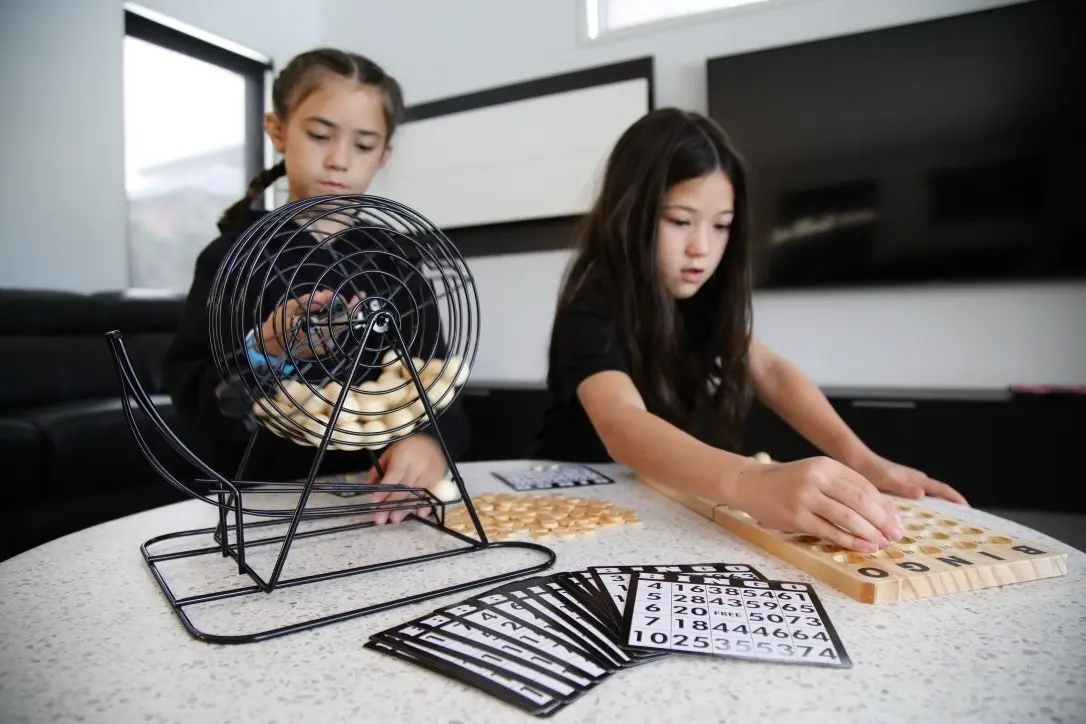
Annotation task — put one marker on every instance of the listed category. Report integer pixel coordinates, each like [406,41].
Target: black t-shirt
[586,341]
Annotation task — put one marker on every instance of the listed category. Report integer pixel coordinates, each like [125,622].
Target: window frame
[587,24]
[254,71]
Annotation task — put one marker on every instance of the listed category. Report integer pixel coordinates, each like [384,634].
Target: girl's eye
[679,222]
[317,136]
[723,227]
[364,149]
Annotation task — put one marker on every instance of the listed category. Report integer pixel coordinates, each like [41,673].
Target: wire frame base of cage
[365,250]
[234,538]
[255,585]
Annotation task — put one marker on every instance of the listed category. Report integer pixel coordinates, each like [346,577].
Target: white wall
[438,49]
[62,206]
[496,154]
[952,337]
[945,337]
[62,178]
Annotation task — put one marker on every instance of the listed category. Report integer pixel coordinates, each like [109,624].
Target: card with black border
[559,587]
[768,621]
[552,476]
[499,684]
[510,604]
[525,678]
[584,586]
[585,589]
[528,635]
[516,585]
[564,612]
[486,640]
[611,628]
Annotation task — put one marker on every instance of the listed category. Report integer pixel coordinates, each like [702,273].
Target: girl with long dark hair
[653,364]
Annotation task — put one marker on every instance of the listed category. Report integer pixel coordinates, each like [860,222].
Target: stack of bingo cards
[540,643]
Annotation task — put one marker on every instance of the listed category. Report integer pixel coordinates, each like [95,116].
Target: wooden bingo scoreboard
[938,554]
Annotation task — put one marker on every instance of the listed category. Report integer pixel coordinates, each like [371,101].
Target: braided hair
[298,79]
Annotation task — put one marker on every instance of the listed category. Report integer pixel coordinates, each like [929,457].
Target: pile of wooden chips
[505,516]
[374,414]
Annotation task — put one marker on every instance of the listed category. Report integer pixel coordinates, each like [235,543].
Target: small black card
[551,476]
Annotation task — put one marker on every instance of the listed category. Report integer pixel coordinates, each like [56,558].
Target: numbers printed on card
[616,579]
[776,621]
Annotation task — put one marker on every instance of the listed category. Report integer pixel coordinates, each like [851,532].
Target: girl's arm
[653,447]
[816,496]
[788,392]
[417,460]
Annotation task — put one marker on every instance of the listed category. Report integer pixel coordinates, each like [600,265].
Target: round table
[86,634]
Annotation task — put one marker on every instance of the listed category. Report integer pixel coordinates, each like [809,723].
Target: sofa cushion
[91,446]
[38,371]
[23,454]
[132,313]
[29,312]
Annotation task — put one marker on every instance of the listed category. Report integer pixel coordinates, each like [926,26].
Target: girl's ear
[276,131]
[385,156]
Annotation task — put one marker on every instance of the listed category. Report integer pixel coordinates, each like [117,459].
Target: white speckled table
[85,635]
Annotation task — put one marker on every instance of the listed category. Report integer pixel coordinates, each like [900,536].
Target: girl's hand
[820,497]
[889,477]
[416,461]
[285,327]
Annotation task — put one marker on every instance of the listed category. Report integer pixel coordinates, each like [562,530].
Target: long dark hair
[300,77]
[689,357]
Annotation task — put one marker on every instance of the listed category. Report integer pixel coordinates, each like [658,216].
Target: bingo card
[770,621]
[547,477]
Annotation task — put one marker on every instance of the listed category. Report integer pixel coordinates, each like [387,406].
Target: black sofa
[69,459]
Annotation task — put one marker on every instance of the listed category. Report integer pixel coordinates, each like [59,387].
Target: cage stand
[228,497]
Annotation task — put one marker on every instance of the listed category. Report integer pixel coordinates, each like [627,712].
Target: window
[193,138]
[607,16]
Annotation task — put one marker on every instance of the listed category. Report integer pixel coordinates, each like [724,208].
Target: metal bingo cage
[379,320]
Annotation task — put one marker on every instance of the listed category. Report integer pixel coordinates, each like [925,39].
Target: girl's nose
[698,244]
[337,157]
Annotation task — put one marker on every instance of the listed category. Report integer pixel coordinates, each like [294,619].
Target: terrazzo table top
[86,635]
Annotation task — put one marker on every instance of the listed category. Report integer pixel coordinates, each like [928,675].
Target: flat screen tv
[945,151]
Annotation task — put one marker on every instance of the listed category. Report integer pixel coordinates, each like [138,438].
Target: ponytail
[235,218]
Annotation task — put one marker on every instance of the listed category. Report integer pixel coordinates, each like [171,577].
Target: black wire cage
[337,323]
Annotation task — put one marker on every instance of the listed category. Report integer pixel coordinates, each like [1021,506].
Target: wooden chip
[541,516]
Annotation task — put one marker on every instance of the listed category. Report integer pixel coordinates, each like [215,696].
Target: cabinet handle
[886,404]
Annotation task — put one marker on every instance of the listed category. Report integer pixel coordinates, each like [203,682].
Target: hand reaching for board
[821,497]
[895,479]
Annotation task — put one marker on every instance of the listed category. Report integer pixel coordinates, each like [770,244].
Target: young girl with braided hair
[333,118]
